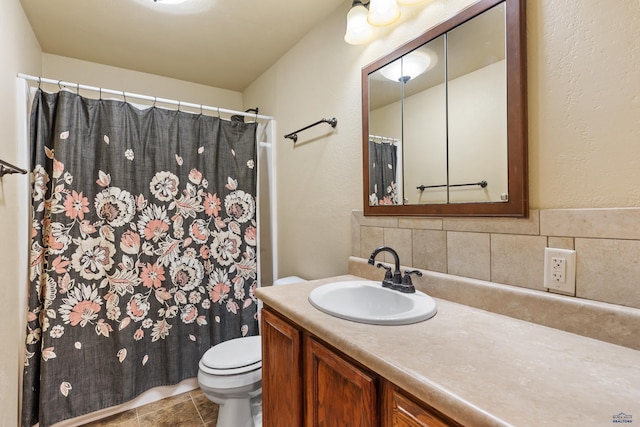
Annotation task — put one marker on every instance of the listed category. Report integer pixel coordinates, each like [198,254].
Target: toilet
[230,374]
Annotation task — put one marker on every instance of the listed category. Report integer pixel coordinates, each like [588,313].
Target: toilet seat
[233,357]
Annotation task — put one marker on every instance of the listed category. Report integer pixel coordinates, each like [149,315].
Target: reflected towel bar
[482,184]
[8,168]
[294,135]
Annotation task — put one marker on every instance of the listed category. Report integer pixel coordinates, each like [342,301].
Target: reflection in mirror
[477,108]
[385,138]
[444,119]
[425,130]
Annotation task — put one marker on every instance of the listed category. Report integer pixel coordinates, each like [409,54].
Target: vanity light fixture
[358,29]
[410,66]
[367,13]
[383,12]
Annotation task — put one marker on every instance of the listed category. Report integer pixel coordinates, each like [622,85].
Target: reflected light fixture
[358,29]
[410,65]
[383,12]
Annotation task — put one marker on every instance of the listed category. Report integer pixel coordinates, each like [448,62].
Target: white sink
[368,302]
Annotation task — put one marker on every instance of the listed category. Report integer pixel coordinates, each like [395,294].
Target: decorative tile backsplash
[511,251]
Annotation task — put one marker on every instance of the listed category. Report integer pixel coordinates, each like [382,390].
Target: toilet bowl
[230,374]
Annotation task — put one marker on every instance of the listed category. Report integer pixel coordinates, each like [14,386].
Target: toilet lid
[237,355]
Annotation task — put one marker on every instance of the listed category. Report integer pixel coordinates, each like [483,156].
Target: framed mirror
[445,122]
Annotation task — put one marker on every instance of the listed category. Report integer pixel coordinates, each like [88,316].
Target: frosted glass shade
[410,66]
[358,29]
[409,2]
[383,12]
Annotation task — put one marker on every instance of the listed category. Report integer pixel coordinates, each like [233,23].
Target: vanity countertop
[482,368]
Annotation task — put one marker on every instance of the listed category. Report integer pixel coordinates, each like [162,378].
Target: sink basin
[368,302]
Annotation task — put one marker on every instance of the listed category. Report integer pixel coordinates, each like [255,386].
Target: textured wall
[584,103]
[93,74]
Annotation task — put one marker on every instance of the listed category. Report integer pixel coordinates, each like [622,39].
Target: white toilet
[230,375]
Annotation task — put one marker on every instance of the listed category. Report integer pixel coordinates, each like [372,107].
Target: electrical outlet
[560,270]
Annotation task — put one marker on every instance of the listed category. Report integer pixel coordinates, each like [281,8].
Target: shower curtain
[143,250]
[383,160]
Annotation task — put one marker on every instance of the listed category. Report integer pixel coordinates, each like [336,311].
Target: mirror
[444,119]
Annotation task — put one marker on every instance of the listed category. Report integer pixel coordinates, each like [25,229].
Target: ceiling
[221,43]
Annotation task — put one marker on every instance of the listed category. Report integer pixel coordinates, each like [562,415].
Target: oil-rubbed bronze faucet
[395,281]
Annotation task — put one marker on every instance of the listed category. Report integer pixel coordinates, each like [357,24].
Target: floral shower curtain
[143,250]
[383,159]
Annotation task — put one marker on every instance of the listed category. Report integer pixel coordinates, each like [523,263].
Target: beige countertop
[482,368]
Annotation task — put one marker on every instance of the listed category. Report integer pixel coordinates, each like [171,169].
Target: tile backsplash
[511,251]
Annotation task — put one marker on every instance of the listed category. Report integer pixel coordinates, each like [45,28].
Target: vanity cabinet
[306,382]
[281,372]
[337,392]
[402,410]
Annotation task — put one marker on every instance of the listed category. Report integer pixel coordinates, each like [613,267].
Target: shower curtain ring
[201,113]
[39,82]
[155,99]
[179,105]
[78,89]
[100,93]
[124,95]
[218,112]
[59,84]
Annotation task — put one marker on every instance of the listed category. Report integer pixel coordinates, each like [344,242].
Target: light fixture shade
[410,66]
[383,12]
[409,2]
[358,29]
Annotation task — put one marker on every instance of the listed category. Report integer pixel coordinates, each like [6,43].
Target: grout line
[197,411]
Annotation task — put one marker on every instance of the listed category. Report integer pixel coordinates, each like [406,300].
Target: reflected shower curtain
[143,250]
[383,159]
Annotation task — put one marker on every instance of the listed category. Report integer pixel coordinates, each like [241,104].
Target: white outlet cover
[569,284]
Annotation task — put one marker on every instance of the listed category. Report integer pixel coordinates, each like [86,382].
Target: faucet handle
[388,277]
[407,283]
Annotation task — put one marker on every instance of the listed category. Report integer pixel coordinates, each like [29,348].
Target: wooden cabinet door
[403,411]
[281,372]
[338,393]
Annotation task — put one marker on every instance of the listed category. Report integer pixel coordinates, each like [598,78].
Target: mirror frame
[518,204]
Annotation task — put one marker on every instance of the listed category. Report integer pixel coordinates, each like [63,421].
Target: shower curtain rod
[126,95]
[384,138]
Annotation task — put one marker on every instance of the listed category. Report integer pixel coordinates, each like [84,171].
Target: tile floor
[190,409]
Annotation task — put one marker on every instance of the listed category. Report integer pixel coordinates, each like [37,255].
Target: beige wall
[19,52]
[583,71]
[93,74]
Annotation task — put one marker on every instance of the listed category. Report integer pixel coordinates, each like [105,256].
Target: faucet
[394,281]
